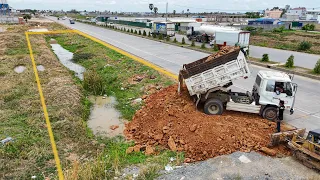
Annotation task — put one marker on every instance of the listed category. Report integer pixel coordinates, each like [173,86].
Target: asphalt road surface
[307,107]
[300,59]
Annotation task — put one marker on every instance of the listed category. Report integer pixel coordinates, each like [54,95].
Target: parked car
[72,21]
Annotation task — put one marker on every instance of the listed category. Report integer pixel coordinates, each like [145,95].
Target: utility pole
[167,12]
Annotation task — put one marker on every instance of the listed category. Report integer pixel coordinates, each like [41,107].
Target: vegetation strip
[157,68]
[44,107]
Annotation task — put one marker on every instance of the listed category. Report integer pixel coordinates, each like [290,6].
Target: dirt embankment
[171,120]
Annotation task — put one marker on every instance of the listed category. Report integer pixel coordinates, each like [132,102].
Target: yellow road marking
[138,59]
[44,107]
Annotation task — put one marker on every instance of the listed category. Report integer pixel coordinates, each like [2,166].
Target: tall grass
[93,82]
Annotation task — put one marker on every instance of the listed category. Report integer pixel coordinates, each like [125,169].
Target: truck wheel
[270,113]
[213,107]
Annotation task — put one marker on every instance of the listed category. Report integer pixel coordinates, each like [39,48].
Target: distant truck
[164,28]
[231,38]
[208,79]
[222,36]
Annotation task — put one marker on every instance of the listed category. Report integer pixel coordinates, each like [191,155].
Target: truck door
[280,90]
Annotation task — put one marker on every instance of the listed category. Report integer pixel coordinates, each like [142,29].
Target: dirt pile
[224,50]
[171,120]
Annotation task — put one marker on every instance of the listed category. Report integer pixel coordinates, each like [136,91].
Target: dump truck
[164,28]
[208,81]
[306,150]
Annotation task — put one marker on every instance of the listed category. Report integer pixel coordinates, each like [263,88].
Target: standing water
[104,119]
[65,58]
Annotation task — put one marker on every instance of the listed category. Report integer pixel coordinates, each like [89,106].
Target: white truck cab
[271,86]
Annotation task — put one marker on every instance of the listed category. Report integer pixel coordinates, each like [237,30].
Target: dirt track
[171,120]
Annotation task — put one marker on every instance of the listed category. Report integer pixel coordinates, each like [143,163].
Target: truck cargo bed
[205,74]
[202,65]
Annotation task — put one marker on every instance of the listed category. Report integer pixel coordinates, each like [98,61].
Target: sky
[178,5]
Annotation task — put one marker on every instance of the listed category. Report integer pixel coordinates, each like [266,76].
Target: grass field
[287,40]
[82,155]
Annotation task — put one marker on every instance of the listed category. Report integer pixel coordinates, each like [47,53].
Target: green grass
[116,74]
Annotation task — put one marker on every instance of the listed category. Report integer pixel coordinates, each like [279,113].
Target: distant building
[264,21]
[313,15]
[273,13]
[301,12]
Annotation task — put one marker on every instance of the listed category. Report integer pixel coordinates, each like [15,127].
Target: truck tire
[270,113]
[213,107]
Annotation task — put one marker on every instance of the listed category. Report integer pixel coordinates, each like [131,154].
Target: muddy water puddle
[65,58]
[104,119]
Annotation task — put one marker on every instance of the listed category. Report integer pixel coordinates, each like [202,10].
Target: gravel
[230,167]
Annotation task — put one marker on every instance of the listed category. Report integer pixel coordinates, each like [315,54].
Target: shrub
[139,32]
[290,62]
[167,38]
[279,30]
[265,58]
[128,30]
[203,45]
[124,29]
[175,40]
[149,34]
[93,82]
[154,35]
[78,57]
[192,43]
[183,41]
[131,30]
[304,45]
[144,33]
[308,27]
[160,36]
[316,68]
[135,31]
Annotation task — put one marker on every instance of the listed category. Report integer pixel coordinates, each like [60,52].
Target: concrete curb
[285,70]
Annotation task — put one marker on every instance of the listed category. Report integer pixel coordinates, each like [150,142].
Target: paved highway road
[300,59]
[307,114]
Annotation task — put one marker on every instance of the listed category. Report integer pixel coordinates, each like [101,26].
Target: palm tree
[155,10]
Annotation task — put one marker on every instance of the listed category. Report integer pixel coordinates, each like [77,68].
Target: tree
[144,33]
[290,62]
[160,36]
[26,17]
[131,31]
[135,31]
[192,43]
[203,45]
[155,10]
[317,67]
[139,32]
[183,41]
[175,40]
[265,58]
[149,34]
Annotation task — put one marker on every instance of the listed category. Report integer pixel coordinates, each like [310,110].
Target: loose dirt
[171,121]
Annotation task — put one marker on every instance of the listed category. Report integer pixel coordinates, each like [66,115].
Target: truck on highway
[219,35]
[164,28]
[209,78]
